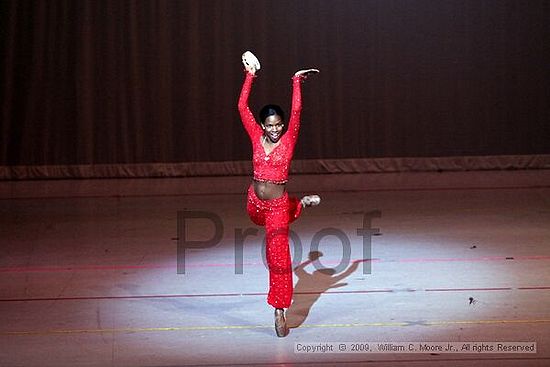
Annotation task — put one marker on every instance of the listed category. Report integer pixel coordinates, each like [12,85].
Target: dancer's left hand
[306,72]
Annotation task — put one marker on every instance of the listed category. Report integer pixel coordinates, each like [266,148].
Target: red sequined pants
[276,215]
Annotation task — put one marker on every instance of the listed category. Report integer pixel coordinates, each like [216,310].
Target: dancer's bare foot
[310,200]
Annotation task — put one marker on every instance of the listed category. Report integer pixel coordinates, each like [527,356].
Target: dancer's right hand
[250,62]
[250,69]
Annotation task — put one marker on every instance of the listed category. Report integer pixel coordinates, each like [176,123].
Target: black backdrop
[118,82]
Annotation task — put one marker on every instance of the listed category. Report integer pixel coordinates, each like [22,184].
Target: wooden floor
[101,273]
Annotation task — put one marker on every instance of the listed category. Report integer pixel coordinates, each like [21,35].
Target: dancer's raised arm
[251,65]
[296,108]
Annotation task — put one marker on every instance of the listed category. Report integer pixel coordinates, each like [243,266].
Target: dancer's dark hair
[270,110]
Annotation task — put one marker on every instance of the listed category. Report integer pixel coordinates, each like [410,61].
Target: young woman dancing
[268,203]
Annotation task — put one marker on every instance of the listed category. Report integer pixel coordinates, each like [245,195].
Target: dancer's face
[273,128]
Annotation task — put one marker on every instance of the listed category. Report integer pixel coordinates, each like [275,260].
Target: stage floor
[89,272]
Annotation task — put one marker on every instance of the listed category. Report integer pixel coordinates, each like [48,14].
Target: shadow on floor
[310,286]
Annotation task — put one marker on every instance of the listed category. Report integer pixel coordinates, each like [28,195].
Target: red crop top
[272,167]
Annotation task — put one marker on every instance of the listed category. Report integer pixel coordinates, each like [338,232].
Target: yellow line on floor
[231,327]
[436,323]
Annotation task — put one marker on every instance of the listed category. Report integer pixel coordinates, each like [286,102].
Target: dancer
[268,203]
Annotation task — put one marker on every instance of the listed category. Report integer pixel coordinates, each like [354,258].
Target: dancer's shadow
[309,287]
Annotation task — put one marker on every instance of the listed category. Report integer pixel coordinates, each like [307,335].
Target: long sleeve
[296,109]
[247,118]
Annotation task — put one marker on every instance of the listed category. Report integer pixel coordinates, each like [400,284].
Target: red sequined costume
[274,214]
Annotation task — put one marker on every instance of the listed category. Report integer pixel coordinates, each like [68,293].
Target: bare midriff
[268,190]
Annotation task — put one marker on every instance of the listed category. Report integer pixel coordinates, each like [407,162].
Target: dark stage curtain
[140,82]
